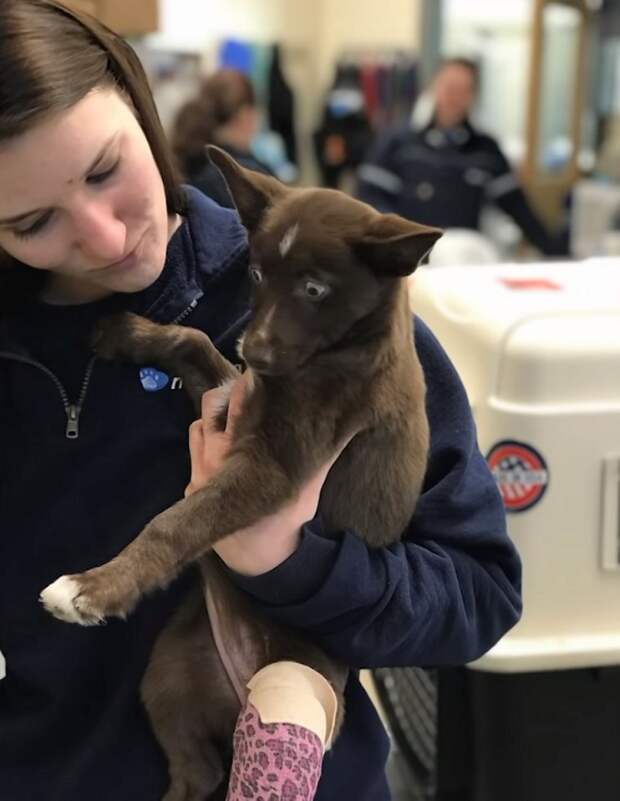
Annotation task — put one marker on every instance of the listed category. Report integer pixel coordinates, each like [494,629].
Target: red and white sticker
[521,474]
[530,284]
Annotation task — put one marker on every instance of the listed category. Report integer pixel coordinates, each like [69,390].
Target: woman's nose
[100,234]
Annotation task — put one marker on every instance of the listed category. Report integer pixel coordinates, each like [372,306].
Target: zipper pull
[73,417]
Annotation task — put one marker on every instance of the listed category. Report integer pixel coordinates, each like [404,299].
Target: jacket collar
[438,138]
[207,242]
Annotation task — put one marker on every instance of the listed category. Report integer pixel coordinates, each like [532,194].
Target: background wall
[364,24]
[194,24]
[314,34]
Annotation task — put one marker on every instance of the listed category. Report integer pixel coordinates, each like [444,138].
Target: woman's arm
[506,192]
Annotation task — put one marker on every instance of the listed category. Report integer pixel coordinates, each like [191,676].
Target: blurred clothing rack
[388,79]
[372,89]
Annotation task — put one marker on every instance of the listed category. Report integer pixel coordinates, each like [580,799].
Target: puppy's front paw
[89,598]
[63,600]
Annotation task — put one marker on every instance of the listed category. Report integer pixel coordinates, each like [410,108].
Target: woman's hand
[266,544]
[207,448]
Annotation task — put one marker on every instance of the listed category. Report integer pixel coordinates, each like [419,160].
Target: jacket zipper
[186,312]
[73,410]
[72,430]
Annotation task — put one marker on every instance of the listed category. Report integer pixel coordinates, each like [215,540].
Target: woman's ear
[252,192]
[391,245]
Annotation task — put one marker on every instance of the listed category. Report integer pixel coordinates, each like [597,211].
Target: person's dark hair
[465,63]
[51,57]
[222,95]
[192,131]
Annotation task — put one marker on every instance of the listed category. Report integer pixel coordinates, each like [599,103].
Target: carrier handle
[611,514]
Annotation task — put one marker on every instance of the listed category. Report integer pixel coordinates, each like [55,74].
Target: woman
[92,220]
[223,114]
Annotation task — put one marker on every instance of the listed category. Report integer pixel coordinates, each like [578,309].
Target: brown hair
[51,57]
[221,96]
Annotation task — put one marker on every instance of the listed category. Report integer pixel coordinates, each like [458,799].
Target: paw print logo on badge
[153,380]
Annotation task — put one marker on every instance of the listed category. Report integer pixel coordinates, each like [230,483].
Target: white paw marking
[61,599]
[288,239]
[240,345]
[221,396]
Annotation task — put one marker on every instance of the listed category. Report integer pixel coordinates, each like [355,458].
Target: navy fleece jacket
[71,723]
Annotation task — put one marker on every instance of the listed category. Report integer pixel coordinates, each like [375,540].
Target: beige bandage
[289,692]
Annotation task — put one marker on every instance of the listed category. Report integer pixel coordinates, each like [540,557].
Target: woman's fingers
[212,401]
[196,452]
[235,403]
[216,399]
[208,447]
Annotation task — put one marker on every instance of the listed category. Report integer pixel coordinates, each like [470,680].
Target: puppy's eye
[256,274]
[315,291]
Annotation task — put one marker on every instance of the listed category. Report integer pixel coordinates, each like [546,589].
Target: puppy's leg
[249,486]
[177,349]
[294,697]
[190,703]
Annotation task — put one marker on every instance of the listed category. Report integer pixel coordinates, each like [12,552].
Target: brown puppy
[331,354]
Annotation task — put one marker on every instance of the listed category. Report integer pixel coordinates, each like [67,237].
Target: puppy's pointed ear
[252,192]
[391,245]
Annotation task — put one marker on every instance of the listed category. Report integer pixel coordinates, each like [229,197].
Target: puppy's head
[320,263]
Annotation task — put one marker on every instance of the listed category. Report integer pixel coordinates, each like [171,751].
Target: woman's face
[81,197]
[454,89]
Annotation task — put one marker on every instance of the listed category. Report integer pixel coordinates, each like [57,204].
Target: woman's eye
[315,291]
[101,177]
[256,275]
[37,226]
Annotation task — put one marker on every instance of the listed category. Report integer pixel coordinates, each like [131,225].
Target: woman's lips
[126,262]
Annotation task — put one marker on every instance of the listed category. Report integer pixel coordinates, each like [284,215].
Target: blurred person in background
[223,114]
[442,171]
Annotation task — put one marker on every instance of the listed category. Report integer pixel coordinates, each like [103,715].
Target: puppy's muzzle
[260,356]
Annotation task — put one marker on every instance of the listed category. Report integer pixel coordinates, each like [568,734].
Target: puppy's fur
[331,350]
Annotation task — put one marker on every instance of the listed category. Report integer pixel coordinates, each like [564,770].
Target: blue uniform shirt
[445,178]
